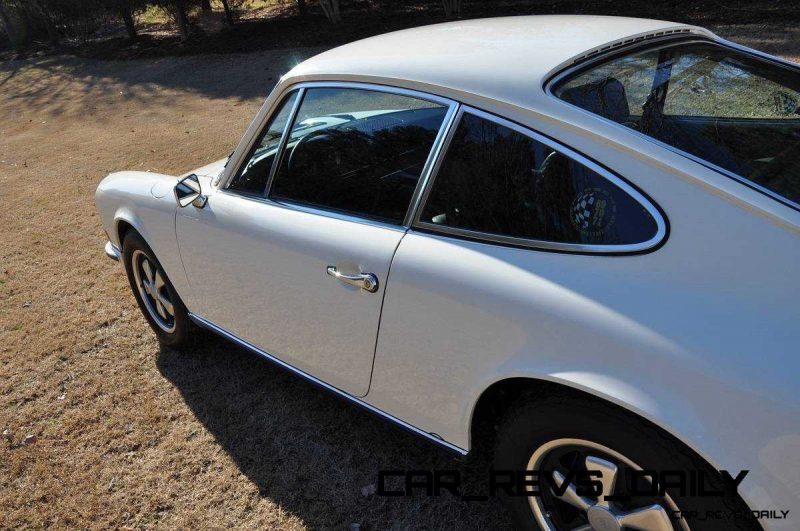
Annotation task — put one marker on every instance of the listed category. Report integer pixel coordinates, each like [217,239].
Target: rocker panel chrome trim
[386,416]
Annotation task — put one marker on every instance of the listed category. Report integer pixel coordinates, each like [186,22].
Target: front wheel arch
[122,229]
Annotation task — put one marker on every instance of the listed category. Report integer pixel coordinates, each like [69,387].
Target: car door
[502,271]
[292,255]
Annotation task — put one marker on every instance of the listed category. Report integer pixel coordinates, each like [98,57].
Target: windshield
[736,111]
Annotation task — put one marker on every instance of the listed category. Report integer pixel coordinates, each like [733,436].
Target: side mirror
[188,192]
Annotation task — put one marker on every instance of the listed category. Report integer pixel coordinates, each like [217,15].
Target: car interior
[368,165]
[765,149]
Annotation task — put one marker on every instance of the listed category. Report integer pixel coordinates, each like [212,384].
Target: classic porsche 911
[573,238]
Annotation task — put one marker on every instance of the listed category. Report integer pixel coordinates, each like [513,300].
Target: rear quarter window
[498,183]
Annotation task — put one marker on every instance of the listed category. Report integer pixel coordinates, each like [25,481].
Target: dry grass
[131,435]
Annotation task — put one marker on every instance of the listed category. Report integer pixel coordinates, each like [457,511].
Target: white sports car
[573,239]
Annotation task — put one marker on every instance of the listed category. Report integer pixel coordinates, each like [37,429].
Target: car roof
[504,58]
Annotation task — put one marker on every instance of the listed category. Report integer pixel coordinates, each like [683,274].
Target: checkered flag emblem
[583,209]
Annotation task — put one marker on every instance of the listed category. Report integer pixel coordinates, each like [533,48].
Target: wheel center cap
[601,519]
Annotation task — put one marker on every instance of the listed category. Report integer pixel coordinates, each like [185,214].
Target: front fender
[144,201]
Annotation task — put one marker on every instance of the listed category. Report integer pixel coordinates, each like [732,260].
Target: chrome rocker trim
[113,252]
[316,381]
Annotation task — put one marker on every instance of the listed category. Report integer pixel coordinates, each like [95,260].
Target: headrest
[606,98]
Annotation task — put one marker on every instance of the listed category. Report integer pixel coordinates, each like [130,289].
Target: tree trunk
[20,20]
[205,5]
[52,31]
[130,26]
[44,18]
[331,9]
[11,31]
[181,19]
[452,8]
[228,12]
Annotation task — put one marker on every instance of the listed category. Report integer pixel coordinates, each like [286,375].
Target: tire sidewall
[529,426]
[134,242]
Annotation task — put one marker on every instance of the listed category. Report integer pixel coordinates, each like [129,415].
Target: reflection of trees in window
[734,110]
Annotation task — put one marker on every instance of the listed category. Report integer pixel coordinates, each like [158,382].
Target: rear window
[731,109]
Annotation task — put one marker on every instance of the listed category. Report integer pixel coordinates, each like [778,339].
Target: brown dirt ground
[131,435]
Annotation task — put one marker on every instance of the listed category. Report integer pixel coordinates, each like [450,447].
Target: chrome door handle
[365,281]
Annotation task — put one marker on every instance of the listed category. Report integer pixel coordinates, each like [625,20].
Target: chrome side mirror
[188,192]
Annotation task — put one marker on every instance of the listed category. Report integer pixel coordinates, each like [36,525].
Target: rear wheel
[563,436]
[158,300]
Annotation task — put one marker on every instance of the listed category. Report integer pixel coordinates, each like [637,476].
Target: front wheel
[157,299]
[576,441]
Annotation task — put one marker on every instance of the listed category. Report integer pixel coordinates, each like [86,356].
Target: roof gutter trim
[612,46]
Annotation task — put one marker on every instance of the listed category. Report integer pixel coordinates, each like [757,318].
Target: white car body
[700,336]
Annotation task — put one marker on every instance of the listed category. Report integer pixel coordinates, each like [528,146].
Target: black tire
[531,423]
[184,330]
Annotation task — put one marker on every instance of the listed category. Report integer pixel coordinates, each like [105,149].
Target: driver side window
[253,176]
[357,151]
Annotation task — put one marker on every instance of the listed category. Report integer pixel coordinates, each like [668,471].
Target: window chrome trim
[433,157]
[273,110]
[330,213]
[639,197]
[320,383]
[560,76]
[276,162]
[299,207]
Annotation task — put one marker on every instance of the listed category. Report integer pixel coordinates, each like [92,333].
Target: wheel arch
[498,397]
[122,226]
[126,220]
[142,202]
[501,395]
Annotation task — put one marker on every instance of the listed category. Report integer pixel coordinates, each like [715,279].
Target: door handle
[365,281]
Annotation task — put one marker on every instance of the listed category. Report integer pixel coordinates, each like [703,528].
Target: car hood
[206,174]
[210,170]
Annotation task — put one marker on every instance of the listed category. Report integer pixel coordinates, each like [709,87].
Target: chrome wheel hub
[602,519]
[564,508]
[153,290]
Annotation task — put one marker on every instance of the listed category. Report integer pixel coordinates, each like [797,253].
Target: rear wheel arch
[502,396]
[535,423]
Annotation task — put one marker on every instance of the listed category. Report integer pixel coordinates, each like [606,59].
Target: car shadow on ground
[312,452]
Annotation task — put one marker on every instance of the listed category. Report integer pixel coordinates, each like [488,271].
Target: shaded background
[125,28]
